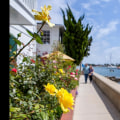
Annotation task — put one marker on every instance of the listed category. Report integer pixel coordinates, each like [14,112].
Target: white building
[21,17]
[50,35]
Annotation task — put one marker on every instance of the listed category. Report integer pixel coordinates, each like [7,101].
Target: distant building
[50,35]
[21,17]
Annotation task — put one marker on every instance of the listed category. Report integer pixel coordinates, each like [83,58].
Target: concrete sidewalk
[92,104]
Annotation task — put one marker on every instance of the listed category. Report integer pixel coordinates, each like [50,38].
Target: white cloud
[112,26]
[89,4]
[86,5]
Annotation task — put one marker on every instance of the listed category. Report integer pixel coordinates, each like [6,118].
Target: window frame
[45,37]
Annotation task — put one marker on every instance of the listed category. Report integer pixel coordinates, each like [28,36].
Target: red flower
[72,73]
[77,70]
[76,73]
[32,61]
[14,70]
[67,68]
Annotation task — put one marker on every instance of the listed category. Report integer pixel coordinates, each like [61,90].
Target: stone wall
[110,88]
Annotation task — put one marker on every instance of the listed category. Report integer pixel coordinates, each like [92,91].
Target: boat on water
[112,67]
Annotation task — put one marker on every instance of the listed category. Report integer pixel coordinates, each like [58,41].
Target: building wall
[21,17]
[54,37]
[29,50]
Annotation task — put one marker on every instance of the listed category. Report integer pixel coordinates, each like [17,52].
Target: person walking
[86,72]
[90,73]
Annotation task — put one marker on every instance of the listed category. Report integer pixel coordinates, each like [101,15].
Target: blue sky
[103,15]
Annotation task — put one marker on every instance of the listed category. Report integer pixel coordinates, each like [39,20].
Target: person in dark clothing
[91,72]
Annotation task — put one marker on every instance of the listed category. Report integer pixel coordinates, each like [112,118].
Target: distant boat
[112,67]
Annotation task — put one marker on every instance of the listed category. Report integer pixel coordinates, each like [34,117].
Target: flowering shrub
[28,96]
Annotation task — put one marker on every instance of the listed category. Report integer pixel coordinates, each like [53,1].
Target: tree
[76,37]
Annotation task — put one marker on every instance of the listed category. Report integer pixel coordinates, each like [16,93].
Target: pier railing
[110,88]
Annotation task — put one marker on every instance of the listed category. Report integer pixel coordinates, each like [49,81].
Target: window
[46,37]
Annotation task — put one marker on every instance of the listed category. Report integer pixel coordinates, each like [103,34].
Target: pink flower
[54,61]
[76,73]
[14,70]
[69,66]
[72,73]
[32,61]
[75,78]
[54,66]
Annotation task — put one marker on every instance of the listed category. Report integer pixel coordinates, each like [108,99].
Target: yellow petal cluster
[65,99]
[44,15]
[61,71]
[51,89]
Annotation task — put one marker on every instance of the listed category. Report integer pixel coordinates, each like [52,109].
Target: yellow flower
[50,88]
[65,99]
[44,15]
[61,71]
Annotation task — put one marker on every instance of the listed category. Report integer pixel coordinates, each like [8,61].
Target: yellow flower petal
[65,110]
[65,99]
[51,89]
[50,24]
[44,15]
[49,7]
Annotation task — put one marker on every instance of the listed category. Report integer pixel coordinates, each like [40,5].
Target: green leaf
[17,41]
[22,115]
[38,38]
[44,116]
[30,91]
[30,33]
[14,109]
[19,35]
[37,106]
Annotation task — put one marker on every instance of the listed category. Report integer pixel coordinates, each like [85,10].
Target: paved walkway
[92,104]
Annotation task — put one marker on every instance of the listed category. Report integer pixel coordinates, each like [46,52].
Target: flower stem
[27,43]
